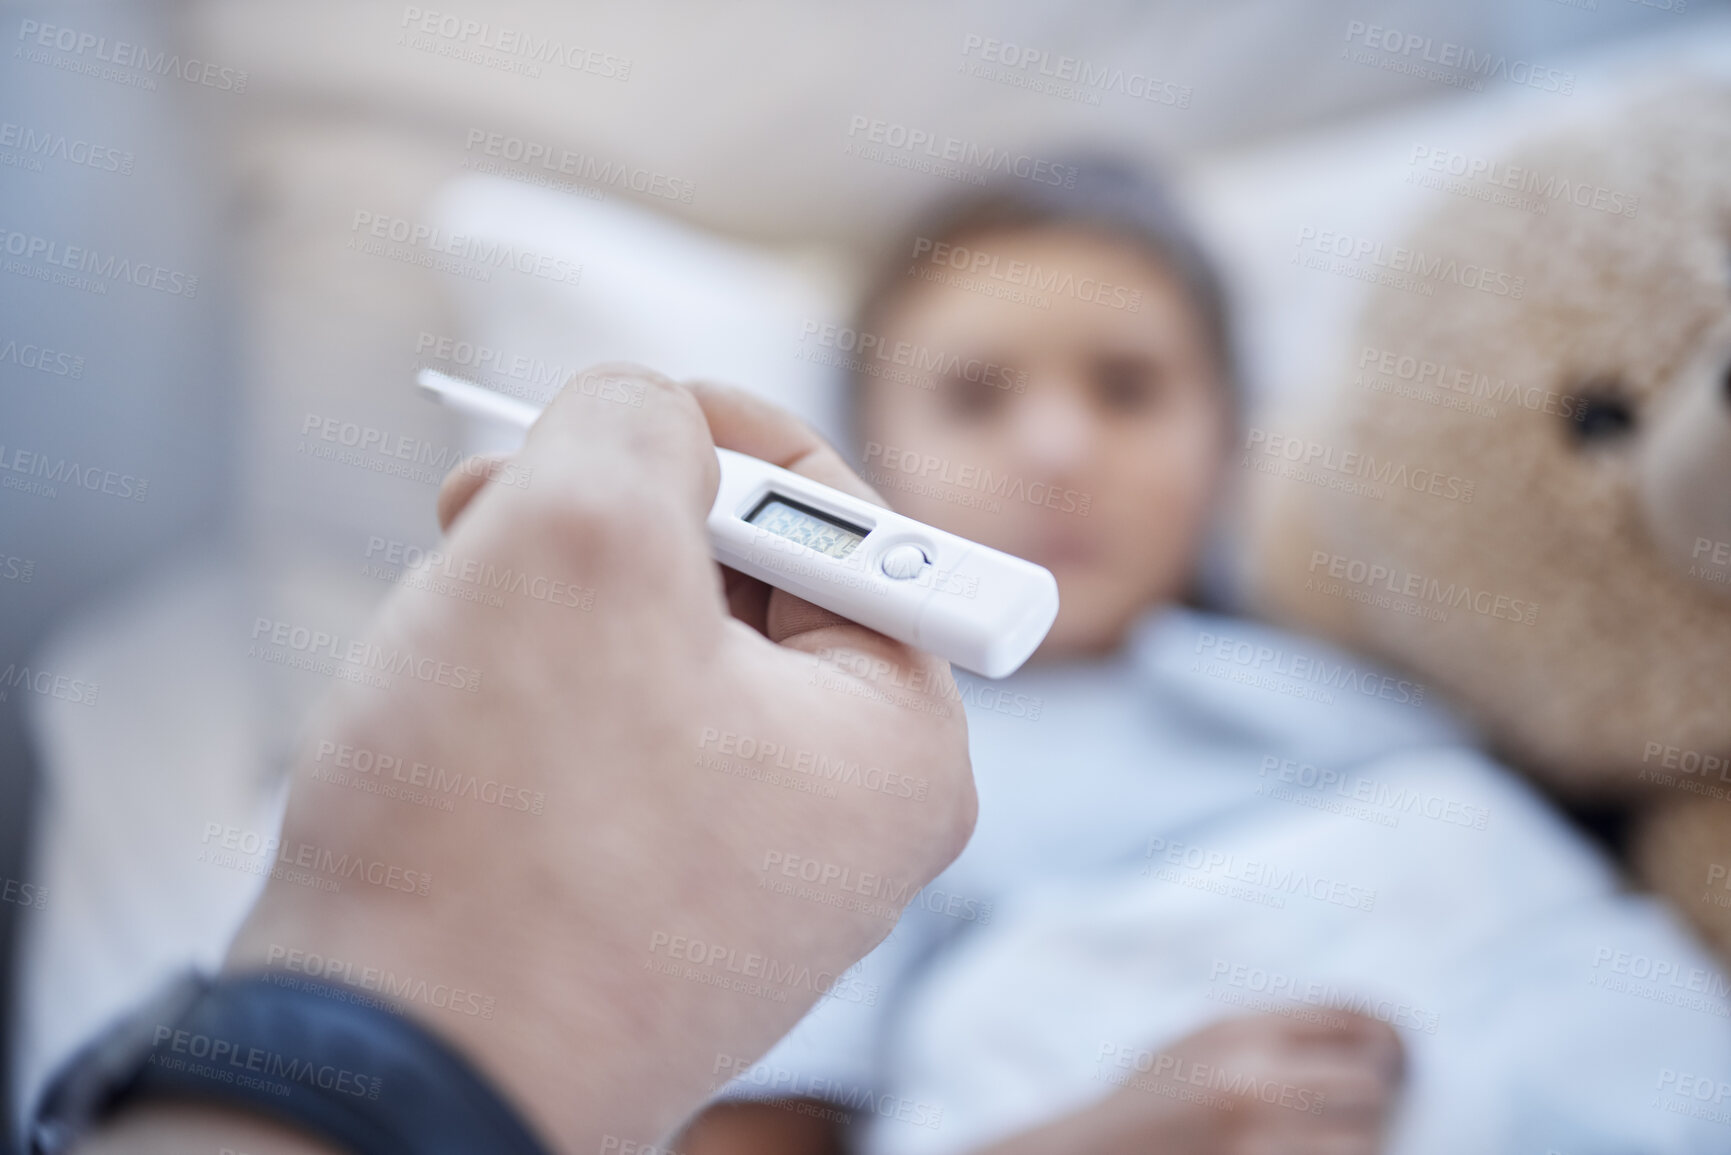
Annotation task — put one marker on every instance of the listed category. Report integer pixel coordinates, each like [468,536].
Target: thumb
[464,481]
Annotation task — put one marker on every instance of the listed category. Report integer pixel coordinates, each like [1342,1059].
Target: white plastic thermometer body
[982,609]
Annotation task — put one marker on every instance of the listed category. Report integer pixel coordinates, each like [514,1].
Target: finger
[1369,1040]
[747,599]
[624,436]
[744,422]
[1347,1091]
[1276,1140]
[611,489]
[741,421]
[1350,1032]
[1368,1075]
[788,616]
[463,482]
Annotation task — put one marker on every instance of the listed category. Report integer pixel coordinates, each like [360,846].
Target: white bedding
[1193,833]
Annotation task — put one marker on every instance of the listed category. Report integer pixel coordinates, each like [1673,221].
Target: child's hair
[1108,197]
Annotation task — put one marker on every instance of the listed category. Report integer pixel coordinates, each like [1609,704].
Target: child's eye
[975,400]
[1126,384]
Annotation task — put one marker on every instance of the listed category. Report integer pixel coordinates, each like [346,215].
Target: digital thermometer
[978,607]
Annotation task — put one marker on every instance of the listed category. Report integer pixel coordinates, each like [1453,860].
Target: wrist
[584,1041]
[176,1128]
[362,1079]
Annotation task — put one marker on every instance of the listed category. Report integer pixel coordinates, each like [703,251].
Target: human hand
[1258,1085]
[1269,1085]
[565,921]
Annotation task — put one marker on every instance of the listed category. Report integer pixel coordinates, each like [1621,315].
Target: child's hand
[1266,1084]
[1262,1085]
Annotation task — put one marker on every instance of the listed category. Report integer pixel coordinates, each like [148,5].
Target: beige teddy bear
[1521,489]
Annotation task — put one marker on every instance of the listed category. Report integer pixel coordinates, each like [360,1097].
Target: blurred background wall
[749,106]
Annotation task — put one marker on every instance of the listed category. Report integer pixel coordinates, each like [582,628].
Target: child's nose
[1055,430]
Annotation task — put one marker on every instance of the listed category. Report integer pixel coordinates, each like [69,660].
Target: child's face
[1101,468]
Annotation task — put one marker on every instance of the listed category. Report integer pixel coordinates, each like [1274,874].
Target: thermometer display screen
[808,527]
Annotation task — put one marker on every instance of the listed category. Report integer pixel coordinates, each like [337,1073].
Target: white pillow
[651,289]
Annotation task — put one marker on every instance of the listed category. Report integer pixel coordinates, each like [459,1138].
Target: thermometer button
[903,562]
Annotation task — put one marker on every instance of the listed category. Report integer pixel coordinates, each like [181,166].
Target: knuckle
[962,812]
[598,526]
[629,370]
[637,387]
[655,385]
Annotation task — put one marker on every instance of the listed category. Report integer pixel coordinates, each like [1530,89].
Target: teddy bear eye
[1603,415]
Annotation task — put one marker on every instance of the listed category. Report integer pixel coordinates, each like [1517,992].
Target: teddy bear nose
[1683,470]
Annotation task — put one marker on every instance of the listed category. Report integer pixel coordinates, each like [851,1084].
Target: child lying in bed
[1230,890]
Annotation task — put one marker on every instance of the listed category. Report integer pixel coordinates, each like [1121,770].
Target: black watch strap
[362,1078]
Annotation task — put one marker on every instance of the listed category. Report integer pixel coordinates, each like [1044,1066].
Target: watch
[305,1053]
